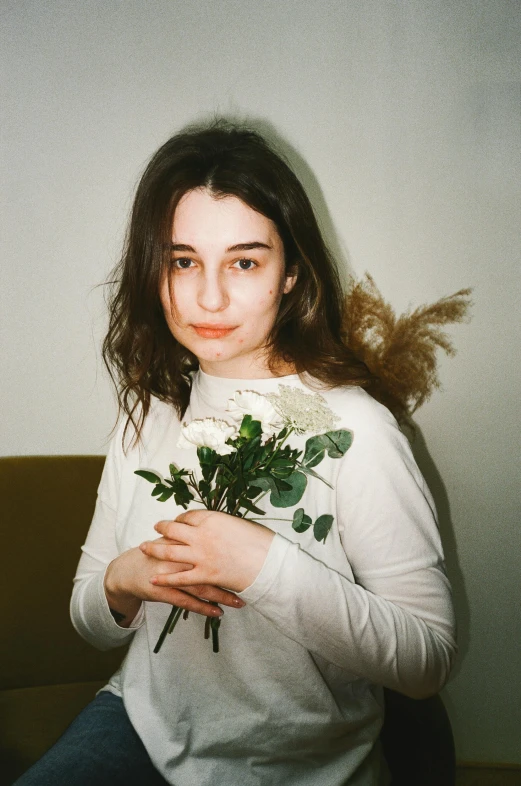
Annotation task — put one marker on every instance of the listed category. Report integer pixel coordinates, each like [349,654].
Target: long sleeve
[90,611]
[290,696]
[394,625]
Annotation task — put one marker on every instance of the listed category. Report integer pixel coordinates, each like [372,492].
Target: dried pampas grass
[400,351]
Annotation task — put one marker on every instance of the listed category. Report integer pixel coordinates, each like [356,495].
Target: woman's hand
[128,583]
[221,550]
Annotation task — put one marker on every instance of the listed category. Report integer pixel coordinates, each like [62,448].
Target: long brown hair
[142,356]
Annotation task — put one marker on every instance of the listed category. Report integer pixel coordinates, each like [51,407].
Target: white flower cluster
[291,407]
[248,402]
[208,433]
[303,412]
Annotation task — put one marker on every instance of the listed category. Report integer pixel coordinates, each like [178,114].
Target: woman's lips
[213,331]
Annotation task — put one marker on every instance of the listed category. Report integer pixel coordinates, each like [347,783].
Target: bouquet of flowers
[242,461]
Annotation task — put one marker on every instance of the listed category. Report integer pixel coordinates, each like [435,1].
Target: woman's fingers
[205,591]
[165,551]
[185,579]
[178,530]
[190,603]
[224,550]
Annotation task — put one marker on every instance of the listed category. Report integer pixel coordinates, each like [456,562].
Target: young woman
[225,285]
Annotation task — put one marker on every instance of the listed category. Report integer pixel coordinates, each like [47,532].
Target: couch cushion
[32,719]
[47,505]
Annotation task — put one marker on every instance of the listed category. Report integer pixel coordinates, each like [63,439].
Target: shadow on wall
[421,453]
[312,187]
[439,492]
[306,176]
[419,447]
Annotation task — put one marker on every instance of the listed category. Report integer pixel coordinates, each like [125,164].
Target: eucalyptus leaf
[322,526]
[334,443]
[315,451]
[301,521]
[265,483]
[152,477]
[339,442]
[281,496]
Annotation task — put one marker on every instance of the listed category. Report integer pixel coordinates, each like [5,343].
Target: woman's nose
[212,294]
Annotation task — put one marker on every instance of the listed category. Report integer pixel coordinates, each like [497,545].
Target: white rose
[207,433]
[248,402]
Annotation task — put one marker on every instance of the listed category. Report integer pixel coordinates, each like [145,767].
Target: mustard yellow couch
[48,673]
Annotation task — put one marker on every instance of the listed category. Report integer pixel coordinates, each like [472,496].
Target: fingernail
[239,603]
[217,612]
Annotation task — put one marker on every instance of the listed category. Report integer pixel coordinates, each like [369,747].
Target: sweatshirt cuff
[270,570]
[108,619]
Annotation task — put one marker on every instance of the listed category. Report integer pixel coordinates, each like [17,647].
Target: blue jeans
[100,748]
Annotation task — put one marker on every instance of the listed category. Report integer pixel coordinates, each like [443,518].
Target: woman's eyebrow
[248,246]
[238,247]
[182,247]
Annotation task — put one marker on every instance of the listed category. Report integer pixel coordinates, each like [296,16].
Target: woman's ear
[291,278]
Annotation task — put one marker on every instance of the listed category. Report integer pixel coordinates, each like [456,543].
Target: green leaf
[182,496]
[167,493]
[208,460]
[315,451]
[207,456]
[281,496]
[339,442]
[335,443]
[301,522]
[322,526]
[204,488]
[251,452]
[248,505]
[152,477]
[250,428]
[159,488]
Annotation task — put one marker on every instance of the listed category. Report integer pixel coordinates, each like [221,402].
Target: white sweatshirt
[293,697]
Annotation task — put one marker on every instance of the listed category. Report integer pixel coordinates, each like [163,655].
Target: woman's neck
[265,370]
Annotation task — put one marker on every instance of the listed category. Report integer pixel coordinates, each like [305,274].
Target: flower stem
[214,625]
[171,622]
[277,449]
[312,472]
[195,487]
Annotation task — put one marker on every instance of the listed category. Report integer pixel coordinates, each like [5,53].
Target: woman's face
[226,282]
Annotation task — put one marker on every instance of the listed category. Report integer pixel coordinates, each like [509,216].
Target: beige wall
[407,116]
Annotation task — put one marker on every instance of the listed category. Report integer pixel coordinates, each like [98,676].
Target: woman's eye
[245,264]
[183,263]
